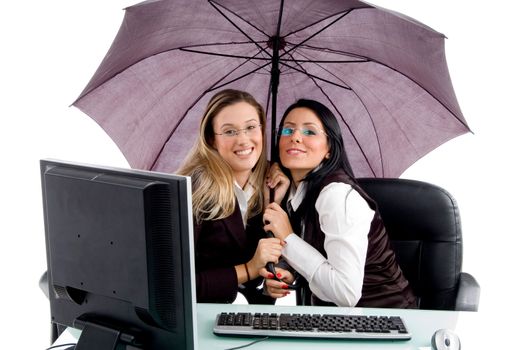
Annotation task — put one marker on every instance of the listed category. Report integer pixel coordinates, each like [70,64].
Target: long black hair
[337,155]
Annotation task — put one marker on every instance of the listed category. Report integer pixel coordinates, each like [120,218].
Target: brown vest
[384,284]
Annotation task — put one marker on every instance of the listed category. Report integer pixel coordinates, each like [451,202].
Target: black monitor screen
[120,255]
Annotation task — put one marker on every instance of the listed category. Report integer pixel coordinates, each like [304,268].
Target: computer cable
[248,344]
[65,346]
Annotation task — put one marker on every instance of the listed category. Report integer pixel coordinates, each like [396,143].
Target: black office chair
[423,223]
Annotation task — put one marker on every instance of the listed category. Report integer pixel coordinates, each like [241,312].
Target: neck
[297,176]
[242,178]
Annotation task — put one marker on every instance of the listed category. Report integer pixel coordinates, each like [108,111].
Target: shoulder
[338,198]
[339,175]
[339,191]
[338,183]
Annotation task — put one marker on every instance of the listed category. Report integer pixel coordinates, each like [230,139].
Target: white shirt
[243,196]
[345,219]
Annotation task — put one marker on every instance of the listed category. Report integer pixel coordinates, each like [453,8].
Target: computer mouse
[445,339]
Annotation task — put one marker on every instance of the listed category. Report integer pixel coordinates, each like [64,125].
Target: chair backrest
[423,224]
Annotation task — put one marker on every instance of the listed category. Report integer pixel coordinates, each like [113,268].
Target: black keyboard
[311,326]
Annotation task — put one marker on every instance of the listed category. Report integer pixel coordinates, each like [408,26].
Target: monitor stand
[103,337]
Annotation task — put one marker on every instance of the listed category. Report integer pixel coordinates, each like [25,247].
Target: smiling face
[243,150]
[303,145]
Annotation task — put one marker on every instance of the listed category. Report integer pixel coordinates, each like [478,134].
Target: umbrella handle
[270,267]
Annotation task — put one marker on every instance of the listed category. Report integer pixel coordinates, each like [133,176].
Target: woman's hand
[268,250]
[277,221]
[277,289]
[277,181]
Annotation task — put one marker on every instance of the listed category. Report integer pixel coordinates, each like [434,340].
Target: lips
[295,151]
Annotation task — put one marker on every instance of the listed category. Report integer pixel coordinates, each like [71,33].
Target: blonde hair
[213,196]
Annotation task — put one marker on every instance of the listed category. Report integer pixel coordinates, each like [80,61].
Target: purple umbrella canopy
[383,74]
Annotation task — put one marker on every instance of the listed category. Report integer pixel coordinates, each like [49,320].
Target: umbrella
[383,74]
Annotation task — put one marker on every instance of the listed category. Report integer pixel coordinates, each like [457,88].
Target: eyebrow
[235,125]
[308,123]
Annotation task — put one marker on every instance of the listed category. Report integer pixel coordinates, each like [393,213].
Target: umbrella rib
[313,78]
[333,83]
[397,71]
[240,77]
[316,33]
[424,89]
[248,59]
[345,13]
[338,19]
[385,65]
[215,5]
[317,77]
[219,44]
[339,52]
[368,113]
[187,49]
[212,87]
[241,18]
[359,58]
[322,61]
[224,55]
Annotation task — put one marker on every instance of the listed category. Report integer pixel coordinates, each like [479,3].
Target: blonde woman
[228,166]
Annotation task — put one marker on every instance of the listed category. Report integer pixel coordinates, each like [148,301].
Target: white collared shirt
[243,196]
[345,219]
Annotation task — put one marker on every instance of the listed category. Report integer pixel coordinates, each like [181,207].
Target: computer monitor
[120,256]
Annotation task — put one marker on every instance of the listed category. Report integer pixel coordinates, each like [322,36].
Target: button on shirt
[243,196]
[345,219]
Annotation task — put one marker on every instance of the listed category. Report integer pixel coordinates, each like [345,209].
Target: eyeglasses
[249,130]
[305,131]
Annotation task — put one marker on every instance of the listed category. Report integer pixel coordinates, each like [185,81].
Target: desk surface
[421,323]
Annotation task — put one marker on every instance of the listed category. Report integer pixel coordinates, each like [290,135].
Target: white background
[49,50]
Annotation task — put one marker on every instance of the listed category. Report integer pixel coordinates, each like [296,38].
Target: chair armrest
[43,283]
[468,293]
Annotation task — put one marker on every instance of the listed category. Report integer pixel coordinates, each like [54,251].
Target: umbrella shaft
[274,91]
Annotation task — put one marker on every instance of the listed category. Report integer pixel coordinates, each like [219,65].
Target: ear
[328,155]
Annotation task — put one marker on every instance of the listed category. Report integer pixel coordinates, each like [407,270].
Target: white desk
[470,326]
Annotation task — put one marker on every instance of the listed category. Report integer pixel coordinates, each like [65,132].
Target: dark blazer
[219,246]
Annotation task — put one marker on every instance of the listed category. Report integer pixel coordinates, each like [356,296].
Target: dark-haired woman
[335,238]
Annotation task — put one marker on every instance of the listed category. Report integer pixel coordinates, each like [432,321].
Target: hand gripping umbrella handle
[270,267]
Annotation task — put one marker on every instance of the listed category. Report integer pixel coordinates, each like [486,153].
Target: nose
[296,136]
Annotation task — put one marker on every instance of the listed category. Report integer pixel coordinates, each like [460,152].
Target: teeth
[244,152]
